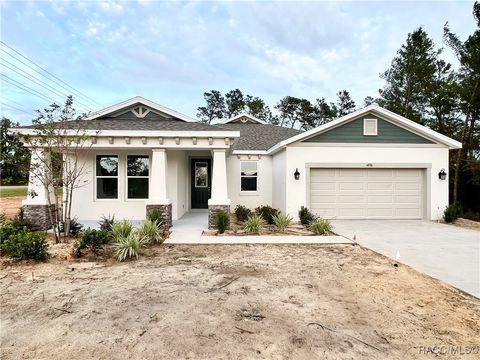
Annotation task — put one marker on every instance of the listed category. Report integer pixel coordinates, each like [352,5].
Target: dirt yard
[11,205]
[237,301]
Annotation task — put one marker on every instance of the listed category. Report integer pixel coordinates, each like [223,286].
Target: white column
[219,179]
[157,193]
[37,192]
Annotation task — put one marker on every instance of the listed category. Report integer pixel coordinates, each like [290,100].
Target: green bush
[26,245]
[106,222]
[91,239]
[306,216]
[242,213]
[222,221]
[150,231]
[321,226]
[121,229]
[6,231]
[452,212]
[282,222]
[253,224]
[267,213]
[128,246]
[155,215]
[4,220]
[19,222]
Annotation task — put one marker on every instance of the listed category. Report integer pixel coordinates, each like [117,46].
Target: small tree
[214,109]
[59,134]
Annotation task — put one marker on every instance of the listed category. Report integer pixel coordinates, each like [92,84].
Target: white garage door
[367,193]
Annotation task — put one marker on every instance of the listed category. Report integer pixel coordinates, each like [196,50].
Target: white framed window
[370,127]
[248,176]
[137,176]
[106,176]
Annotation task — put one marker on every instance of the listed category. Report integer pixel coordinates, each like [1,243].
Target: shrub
[321,226]
[6,230]
[75,227]
[222,221]
[155,215]
[19,222]
[93,240]
[253,224]
[282,222]
[242,213]
[106,222]
[121,229]
[150,231]
[452,212]
[26,245]
[4,220]
[306,216]
[128,246]
[267,213]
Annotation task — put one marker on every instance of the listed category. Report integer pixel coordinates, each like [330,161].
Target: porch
[188,186]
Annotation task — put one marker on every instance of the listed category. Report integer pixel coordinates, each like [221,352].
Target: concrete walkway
[445,252]
[188,230]
[183,238]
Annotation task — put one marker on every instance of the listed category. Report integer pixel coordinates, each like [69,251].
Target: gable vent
[370,127]
[140,111]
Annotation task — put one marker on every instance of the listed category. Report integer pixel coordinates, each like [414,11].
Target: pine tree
[215,108]
[409,75]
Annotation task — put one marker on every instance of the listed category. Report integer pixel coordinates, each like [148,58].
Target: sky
[172,52]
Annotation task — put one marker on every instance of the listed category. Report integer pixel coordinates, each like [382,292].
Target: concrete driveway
[445,252]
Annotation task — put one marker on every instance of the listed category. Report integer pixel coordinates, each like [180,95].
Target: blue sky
[171,52]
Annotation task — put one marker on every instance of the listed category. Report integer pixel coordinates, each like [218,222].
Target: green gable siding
[352,132]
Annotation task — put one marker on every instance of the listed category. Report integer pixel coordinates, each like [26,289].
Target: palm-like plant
[121,229]
[129,246]
[282,222]
[253,224]
[150,231]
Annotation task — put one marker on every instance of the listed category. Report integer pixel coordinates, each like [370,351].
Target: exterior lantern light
[296,174]
[442,175]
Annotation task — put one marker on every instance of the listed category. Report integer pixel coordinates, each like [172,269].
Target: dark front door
[201,183]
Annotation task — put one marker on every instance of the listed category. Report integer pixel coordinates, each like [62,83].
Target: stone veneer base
[165,209]
[212,210]
[38,216]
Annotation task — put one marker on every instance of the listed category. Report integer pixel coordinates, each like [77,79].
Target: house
[370,164]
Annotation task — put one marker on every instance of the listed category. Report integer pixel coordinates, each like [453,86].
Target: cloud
[174,51]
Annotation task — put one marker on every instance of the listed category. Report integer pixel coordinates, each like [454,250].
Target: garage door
[367,193]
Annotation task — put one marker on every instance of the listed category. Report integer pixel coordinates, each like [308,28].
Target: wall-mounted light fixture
[442,175]
[296,174]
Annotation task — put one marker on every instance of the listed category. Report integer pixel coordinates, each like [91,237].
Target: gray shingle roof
[134,123]
[258,136]
[252,136]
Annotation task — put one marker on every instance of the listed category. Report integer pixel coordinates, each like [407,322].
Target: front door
[201,183]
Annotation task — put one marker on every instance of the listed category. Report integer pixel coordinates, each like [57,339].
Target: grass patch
[6,192]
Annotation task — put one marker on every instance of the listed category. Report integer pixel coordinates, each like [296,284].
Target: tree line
[291,111]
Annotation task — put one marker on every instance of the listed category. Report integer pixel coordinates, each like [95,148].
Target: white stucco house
[370,164]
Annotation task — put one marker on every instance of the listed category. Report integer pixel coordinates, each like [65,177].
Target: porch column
[157,192]
[219,198]
[35,206]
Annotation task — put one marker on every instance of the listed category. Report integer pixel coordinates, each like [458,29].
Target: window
[137,177]
[107,176]
[201,175]
[248,176]
[370,127]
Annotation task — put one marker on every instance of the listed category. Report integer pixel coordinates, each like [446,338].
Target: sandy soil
[10,205]
[467,223]
[230,302]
